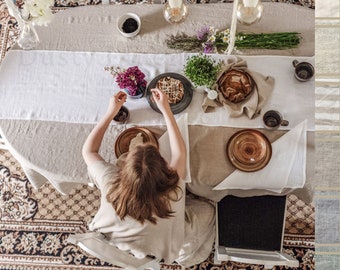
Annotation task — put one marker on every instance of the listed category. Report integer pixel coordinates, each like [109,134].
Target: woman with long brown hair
[143,198]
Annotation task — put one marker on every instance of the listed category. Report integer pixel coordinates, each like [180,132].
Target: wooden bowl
[122,142]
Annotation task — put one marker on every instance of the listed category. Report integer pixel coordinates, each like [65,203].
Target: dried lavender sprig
[276,41]
[184,42]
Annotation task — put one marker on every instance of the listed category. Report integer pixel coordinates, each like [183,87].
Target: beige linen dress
[186,238]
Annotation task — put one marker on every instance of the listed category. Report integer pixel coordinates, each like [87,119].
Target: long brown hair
[144,186]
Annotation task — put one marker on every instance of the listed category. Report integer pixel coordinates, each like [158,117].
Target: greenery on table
[202,70]
[209,40]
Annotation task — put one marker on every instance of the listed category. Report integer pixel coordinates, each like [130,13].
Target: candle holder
[175,11]
[246,12]
[249,11]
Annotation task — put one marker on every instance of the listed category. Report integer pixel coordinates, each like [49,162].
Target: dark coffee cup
[273,120]
[304,71]
[122,116]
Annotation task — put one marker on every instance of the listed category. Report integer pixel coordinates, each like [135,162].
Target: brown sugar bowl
[235,85]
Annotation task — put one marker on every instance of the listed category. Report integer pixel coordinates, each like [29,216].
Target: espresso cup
[304,71]
[273,120]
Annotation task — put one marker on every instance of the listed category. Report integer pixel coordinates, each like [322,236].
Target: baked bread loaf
[235,85]
[172,87]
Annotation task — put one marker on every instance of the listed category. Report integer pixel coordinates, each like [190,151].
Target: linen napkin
[286,168]
[164,143]
[252,105]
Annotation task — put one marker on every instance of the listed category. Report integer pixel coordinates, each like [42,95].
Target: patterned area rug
[35,224]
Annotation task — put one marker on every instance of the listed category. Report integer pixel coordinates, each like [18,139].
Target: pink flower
[131,79]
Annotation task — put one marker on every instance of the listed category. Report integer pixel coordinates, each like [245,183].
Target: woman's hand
[116,102]
[161,100]
[92,144]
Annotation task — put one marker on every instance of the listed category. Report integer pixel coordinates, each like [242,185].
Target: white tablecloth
[73,87]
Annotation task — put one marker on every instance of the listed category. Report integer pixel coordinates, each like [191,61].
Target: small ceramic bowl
[129,24]
[122,116]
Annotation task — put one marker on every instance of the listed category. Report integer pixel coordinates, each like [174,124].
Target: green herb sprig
[202,69]
[208,40]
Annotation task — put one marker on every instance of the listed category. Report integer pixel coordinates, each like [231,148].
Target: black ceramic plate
[178,107]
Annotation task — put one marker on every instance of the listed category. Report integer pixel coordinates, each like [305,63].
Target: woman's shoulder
[100,172]
[100,164]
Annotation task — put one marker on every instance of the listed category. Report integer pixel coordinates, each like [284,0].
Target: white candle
[175,3]
[233,28]
[250,3]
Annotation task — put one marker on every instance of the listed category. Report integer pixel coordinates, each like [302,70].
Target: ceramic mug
[304,71]
[273,120]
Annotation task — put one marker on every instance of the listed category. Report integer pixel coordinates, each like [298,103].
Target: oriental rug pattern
[35,224]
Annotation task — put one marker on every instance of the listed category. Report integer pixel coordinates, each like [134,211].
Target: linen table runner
[73,87]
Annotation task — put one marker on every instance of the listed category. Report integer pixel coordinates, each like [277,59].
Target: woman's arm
[177,145]
[92,144]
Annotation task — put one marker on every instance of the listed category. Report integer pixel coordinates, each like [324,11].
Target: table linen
[57,155]
[94,28]
[57,145]
[210,165]
[74,105]
[286,168]
[73,87]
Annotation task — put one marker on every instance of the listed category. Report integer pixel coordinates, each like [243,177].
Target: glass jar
[249,11]
[175,11]
[28,38]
